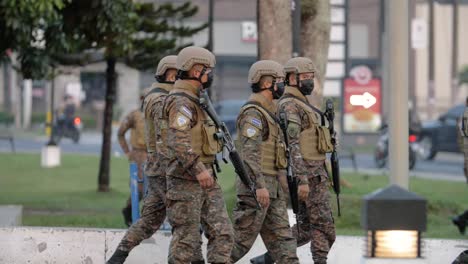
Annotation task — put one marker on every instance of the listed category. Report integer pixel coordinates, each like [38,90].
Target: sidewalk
[94,246]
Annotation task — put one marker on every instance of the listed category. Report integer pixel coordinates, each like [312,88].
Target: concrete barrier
[11,215]
[94,246]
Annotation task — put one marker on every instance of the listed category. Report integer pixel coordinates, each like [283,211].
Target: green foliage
[463,75]
[6,118]
[43,32]
[38,118]
[32,28]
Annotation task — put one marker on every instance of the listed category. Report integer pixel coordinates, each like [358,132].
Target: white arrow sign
[366,99]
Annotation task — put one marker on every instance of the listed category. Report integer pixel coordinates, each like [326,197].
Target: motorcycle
[381,150]
[67,127]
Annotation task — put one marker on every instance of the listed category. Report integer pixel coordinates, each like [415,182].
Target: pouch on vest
[211,145]
[324,140]
[281,161]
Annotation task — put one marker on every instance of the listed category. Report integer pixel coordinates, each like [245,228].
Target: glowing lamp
[394,219]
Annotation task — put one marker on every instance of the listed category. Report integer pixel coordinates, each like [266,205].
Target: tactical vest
[137,134]
[150,130]
[314,141]
[204,143]
[273,148]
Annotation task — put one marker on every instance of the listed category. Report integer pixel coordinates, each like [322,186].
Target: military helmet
[263,68]
[192,55]
[299,65]
[166,63]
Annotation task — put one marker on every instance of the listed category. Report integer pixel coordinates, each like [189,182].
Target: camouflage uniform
[154,205]
[463,142]
[316,222]
[134,122]
[190,140]
[272,222]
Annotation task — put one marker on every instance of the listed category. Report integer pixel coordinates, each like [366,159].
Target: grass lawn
[67,196]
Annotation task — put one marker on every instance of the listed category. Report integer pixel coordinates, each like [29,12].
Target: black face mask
[279,91]
[306,86]
[209,82]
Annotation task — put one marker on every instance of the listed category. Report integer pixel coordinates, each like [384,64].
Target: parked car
[441,135]
[228,111]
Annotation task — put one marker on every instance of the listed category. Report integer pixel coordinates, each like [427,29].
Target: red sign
[362,104]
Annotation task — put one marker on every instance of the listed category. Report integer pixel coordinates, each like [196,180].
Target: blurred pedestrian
[134,122]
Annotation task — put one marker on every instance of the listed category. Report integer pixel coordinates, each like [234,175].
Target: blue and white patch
[256,122]
[182,121]
[186,112]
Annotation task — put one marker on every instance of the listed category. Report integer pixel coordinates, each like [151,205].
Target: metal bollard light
[134,191]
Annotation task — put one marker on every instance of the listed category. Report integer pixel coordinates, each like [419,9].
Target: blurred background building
[235,45]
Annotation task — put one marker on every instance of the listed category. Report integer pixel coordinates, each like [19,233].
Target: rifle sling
[315,109]
[264,109]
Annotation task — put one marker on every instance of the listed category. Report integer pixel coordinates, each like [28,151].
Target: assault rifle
[335,166]
[224,137]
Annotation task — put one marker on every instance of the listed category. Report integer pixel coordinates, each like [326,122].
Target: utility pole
[296,28]
[398,34]
[454,51]
[431,91]
[210,32]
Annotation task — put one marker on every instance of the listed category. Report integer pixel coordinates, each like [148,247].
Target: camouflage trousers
[139,157]
[152,216]
[271,223]
[315,220]
[188,205]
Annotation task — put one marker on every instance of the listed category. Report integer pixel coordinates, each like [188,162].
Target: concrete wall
[93,246]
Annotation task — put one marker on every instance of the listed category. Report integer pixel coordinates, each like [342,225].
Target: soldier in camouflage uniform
[193,194]
[263,150]
[463,140]
[134,122]
[306,136]
[461,221]
[154,208]
[309,142]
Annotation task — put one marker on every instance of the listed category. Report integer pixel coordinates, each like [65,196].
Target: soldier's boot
[262,259]
[462,258]
[460,223]
[127,214]
[118,257]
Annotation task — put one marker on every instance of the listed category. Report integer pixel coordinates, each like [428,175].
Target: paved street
[445,166]
[90,143]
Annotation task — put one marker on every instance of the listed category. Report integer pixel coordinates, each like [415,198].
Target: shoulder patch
[250,131]
[256,122]
[181,122]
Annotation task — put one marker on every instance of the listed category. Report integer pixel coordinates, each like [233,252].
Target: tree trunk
[274,30]
[315,39]
[103,177]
